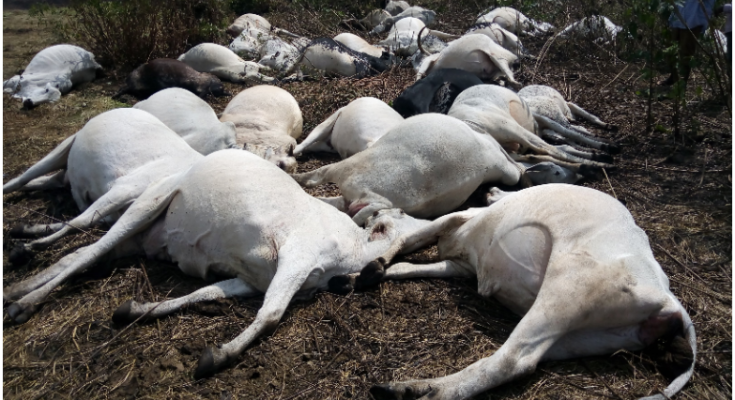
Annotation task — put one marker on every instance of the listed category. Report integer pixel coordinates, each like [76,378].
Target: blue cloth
[693,14]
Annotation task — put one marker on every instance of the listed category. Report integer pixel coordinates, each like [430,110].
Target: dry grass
[337,346]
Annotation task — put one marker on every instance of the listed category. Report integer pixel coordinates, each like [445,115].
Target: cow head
[548,172]
[33,96]
[391,223]
[215,87]
[282,156]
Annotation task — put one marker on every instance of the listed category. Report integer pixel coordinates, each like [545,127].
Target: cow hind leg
[54,161]
[315,177]
[131,310]
[138,217]
[118,197]
[576,135]
[520,354]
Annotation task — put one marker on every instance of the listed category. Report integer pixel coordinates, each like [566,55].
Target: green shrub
[123,34]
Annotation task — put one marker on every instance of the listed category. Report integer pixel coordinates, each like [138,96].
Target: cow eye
[46,91]
[375,214]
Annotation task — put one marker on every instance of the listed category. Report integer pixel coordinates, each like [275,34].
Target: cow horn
[419,42]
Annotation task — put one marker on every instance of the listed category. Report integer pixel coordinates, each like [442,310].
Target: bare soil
[336,347]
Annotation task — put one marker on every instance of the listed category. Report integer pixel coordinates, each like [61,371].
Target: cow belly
[215,239]
[513,266]
[332,61]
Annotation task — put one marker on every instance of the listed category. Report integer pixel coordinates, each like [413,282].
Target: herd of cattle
[170,178]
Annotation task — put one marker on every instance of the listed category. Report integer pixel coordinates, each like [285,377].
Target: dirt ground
[336,347]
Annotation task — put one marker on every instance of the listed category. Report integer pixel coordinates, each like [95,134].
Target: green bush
[123,34]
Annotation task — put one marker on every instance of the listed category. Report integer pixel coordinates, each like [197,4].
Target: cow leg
[142,213]
[315,177]
[575,135]
[131,310]
[338,202]
[494,195]
[31,231]
[320,134]
[118,197]
[502,65]
[53,161]
[373,273]
[581,112]
[293,270]
[442,269]
[55,181]
[539,329]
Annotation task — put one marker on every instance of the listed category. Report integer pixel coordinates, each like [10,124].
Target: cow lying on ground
[371,20]
[503,37]
[403,38]
[163,73]
[500,113]
[473,53]
[224,63]
[108,164]
[328,56]
[230,214]
[395,7]
[352,129]
[191,118]
[596,27]
[434,93]
[51,73]
[570,259]
[426,16]
[435,163]
[267,122]
[359,44]
[513,20]
[248,21]
[553,113]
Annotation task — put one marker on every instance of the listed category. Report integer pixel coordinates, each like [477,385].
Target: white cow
[51,73]
[427,165]
[358,44]
[191,118]
[570,259]
[248,21]
[554,115]
[403,37]
[232,214]
[223,63]
[501,36]
[249,42]
[280,55]
[473,53]
[426,16]
[352,129]
[502,114]
[396,7]
[600,28]
[324,55]
[108,164]
[267,120]
[513,20]
[371,20]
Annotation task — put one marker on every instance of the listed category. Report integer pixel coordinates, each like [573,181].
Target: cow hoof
[603,158]
[372,274]
[211,361]
[19,255]
[19,314]
[588,171]
[612,127]
[18,232]
[611,148]
[342,284]
[123,315]
[398,391]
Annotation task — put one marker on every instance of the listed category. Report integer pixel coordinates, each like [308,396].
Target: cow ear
[290,150]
